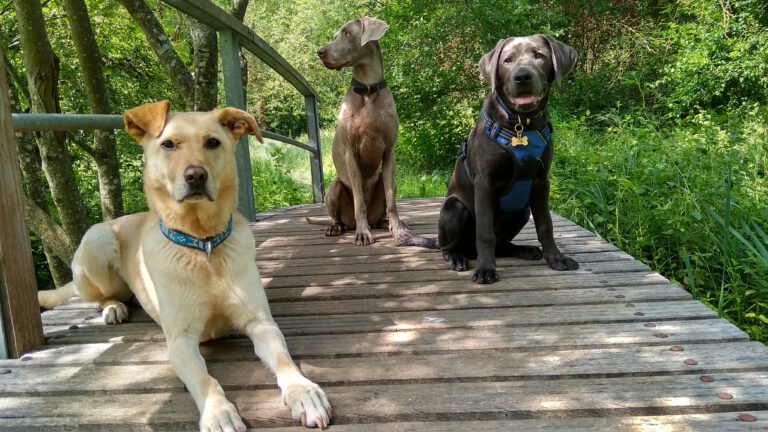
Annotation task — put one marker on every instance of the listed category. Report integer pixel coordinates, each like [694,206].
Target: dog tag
[519,141]
[208,249]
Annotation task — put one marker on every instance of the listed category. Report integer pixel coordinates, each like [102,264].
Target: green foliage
[662,195]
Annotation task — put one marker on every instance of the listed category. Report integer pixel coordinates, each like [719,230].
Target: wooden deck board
[400,343]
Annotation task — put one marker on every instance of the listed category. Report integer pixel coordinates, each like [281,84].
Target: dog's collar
[364,89]
[206,245]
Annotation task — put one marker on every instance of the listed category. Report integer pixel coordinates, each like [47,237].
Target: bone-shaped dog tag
[519,141]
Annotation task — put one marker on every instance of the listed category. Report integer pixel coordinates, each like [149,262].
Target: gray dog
[501,176]
[364,144]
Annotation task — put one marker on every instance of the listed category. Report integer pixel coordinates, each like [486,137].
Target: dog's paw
[456,261]
[220,415]
[400,232]
[334,230]
[561,262]
[114,312]
[363,236]
[485,276]
[308,404]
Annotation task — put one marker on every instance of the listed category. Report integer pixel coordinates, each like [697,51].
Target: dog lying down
[190,260]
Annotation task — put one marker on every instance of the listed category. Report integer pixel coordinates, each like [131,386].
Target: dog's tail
[325,221]
[419,241]
[52,298]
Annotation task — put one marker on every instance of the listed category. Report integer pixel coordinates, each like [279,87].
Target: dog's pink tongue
[524,100]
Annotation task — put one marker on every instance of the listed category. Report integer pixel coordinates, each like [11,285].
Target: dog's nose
[321,53]
[523,75]
[195,175]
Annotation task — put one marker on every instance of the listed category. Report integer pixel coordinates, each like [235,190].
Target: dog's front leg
[486,239]
[305,399]
[363,234]
[543,221]
[216,412]
[398,228]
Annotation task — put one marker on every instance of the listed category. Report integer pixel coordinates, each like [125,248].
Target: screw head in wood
[706,378]
[620,296]
[638,314]
[649,325]
[690,362]
[746,417]
[73,327]
[661,335]
[676,348]
[725,396]
[630,305]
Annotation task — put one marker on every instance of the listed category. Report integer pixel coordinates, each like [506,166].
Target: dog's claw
[334,230]
[485,276]
[561,262]
[363,237]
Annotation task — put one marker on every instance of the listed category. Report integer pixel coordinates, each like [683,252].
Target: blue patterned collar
[206,245]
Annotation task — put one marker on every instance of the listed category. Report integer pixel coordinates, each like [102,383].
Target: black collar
[364,89]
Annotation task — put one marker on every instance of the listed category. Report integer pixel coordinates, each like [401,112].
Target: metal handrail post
[316,159]
[233,86]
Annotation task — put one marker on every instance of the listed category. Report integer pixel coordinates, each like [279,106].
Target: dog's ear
[490,62]
[146,119]
[373,29]
[564,58]
[239,123]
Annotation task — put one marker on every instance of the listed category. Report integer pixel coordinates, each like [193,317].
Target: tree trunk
[205,63]
[163,48]
[98,99]
[42,68]
[238,9]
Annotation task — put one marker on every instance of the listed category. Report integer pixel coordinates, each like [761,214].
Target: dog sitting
[365,137]
[190,260]
[502,175]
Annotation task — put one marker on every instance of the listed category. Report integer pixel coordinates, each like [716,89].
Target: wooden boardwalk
[400,343]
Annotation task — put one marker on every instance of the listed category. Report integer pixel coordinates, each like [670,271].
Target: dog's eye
[538,56]
[168,145]
[508,60]
[212,143]
[346,33]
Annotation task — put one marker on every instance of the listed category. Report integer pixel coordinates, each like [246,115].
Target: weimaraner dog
[364,144]
[501,176]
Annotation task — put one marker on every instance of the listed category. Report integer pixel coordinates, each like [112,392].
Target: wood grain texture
[400,343]
[18,289]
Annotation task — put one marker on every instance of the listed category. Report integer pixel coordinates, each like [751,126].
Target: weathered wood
[250,374]
[21,325]
[402,344]
[656,395]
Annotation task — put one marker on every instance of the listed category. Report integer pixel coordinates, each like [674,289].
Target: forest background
[661,132]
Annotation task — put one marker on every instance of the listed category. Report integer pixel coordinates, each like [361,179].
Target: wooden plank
[713,360]
[416,260]
[425,272]
[632,396]
[58,321]
[20,326]
[128,347]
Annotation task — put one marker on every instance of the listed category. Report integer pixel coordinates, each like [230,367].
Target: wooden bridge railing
[21,328]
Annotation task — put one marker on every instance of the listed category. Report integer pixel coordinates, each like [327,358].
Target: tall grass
[689,200]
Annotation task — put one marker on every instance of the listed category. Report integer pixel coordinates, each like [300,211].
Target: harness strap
[536,143]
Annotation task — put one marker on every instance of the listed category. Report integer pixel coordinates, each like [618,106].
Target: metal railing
[233,35]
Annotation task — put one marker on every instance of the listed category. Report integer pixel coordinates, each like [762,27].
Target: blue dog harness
[525,147]
[206,245]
